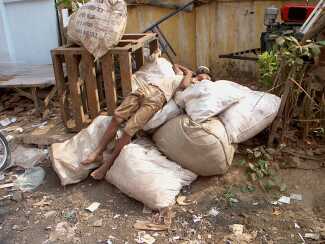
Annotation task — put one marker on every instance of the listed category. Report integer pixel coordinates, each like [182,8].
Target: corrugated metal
[208,31]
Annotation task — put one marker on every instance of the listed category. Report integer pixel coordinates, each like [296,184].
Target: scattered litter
[255,203]
[175,238]
[19,130]
[2,176]
[297,226]
[116,216]
[209,236]
[284,199]
[303,240]
[70,216]
[274,203]
[147,225]
[17,196]
[7,121]
[143,237]
[42,203]
[237,229]
[63,232]
[234,200]
[297,197]
[313,236]
[146,210]
[40,125]
[97,223]
[28,157]
[214,212]
[93,207]
[7,185]
[182,201]
[9,138]
[50,214]
[30,179]
[276,211]
[197,218]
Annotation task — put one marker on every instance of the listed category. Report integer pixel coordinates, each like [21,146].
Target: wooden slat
[74,84]
[91,85]
[109,82]
[126,72]
[139,58]
[60,84]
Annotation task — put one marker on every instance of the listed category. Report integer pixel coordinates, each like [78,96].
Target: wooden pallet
[78,88]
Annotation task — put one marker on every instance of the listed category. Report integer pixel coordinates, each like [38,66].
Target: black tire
[6,161]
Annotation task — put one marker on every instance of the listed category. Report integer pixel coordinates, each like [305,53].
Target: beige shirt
[168,85]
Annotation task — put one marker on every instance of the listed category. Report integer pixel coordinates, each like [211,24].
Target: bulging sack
[250,116]
[169,111]
[202,148]
[207,99]
[67,156]
[98,25]
[143,173]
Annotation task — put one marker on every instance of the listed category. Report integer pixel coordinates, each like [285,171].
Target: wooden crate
[77,77]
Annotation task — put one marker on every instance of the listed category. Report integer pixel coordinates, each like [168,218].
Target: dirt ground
[216,203]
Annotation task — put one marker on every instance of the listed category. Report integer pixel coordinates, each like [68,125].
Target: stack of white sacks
[197,131]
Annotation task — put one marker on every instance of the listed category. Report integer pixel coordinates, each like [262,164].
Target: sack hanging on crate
[66,156]
[143,173]
[98,25]
[202,148]
[207,99]
[250,115]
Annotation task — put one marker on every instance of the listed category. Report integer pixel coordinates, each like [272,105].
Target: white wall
[31,30]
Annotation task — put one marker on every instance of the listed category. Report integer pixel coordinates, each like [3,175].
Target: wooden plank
[75,91]
[109,82]
[139,58]
[126,72]
[91,85]
[153,45]
[61,87]
[34,92]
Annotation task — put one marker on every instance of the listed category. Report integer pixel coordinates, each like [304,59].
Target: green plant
[268,67]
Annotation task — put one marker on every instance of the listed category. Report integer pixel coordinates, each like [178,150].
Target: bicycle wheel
[4,153]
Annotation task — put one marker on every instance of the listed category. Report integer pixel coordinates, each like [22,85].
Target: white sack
[98,25]
[143,173]
[66,156]
[202,148]
[250,116]
[169,111]
[206,99]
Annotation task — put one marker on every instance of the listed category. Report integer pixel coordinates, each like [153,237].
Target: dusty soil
[33,216]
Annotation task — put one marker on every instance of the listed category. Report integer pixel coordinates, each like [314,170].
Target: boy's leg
[100,173]
[127,108]
[107,137]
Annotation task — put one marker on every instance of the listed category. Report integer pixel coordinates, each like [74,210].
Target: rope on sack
[211,133]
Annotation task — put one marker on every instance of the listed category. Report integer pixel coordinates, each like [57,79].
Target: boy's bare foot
[99,173]
[92,158]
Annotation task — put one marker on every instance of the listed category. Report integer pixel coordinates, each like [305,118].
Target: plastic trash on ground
[30,179]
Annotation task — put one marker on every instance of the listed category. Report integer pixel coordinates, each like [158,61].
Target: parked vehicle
[5,155]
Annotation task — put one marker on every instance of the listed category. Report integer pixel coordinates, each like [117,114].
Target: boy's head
[202,73]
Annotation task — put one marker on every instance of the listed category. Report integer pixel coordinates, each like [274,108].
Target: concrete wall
[29,28]
[210,30]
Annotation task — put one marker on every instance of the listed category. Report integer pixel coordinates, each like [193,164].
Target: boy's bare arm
[186,82]
[177,69]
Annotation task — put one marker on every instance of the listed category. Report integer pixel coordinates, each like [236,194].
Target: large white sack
[66,156]
[143,173]
[250,116]
[98,25]
[202,148]
[206,99]
[169,111]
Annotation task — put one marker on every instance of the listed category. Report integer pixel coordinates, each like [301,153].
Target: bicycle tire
[7,159]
